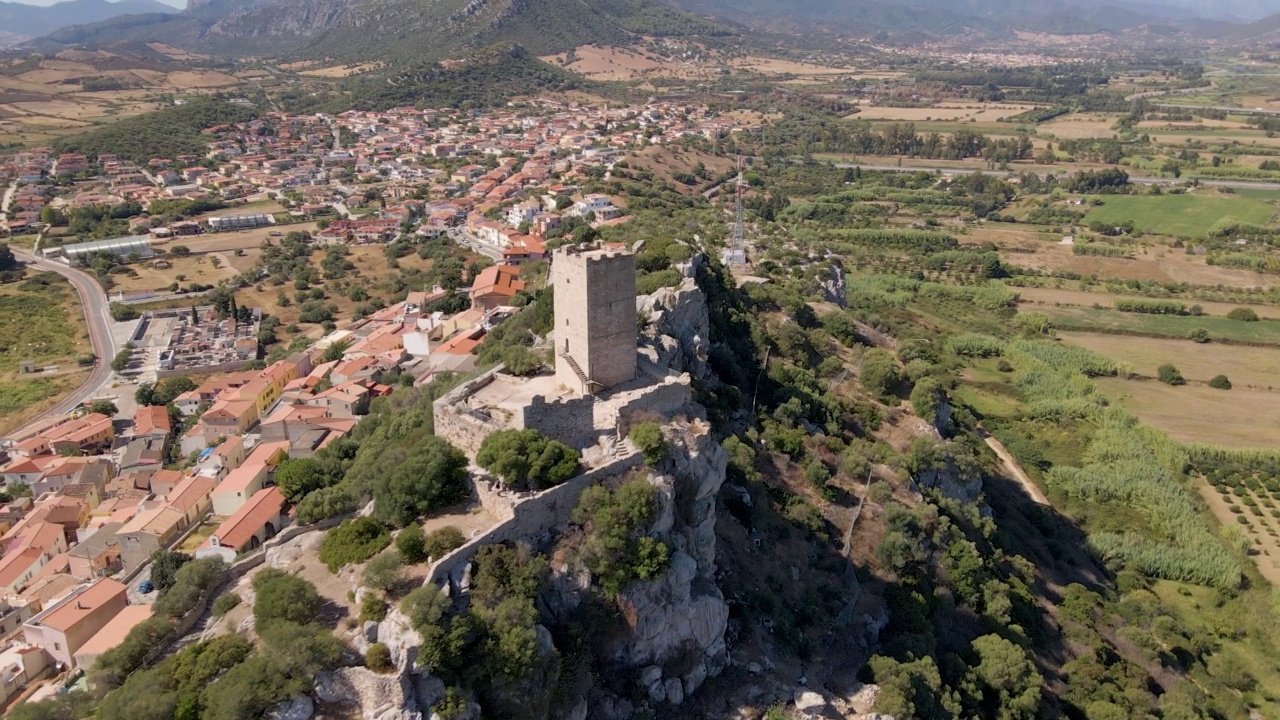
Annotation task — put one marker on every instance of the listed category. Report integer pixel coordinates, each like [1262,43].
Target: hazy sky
[46,3]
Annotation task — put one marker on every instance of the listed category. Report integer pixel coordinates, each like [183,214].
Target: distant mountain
[34,21]
[406,30]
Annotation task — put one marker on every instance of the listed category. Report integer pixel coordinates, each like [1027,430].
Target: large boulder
[299,708]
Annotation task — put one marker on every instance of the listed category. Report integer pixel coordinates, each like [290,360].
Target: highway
[1234,184]
[97,315]
[8,197]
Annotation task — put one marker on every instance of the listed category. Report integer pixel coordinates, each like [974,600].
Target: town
[188,465]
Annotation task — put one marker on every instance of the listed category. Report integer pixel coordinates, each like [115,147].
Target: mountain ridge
[35,20]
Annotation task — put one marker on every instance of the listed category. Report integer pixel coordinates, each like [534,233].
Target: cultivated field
[1186,215]
[1082,298]
[1239,418]
[944,112]
[1105,320]
[1255,368]
[1154,263]
[1080,125]
[341,71]
[1263,535]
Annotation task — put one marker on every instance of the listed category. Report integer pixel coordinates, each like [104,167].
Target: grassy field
[1263,332]
[1257,367]
[41,321]
[1237,418]
[1180,215]
[1084,298]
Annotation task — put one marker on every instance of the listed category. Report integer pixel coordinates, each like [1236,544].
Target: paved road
[1235,184]
[462,237]
[98,318]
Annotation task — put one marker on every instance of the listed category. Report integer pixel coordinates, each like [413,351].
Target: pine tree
[235,313]
[195,316]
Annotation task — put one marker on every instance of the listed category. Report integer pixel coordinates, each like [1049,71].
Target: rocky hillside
[355,30]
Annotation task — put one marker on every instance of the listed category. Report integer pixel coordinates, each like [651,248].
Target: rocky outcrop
[681,616]
[680,327]
[834,288]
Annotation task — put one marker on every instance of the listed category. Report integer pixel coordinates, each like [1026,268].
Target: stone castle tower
[595,317]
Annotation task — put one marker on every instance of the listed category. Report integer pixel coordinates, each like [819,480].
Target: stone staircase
[588,384]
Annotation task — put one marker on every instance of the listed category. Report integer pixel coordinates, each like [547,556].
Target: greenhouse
[125,246]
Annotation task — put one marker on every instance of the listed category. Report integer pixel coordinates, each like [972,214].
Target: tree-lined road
[97,316]
[1233,184]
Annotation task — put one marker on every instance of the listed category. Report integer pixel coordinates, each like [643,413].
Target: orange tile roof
[150,418]
[497,280]
[78,608]
[116,630]
[257,461]
[249,519]
[188,493]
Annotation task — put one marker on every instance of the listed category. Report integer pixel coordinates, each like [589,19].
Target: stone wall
[570,420]
[534,516]
[457,423]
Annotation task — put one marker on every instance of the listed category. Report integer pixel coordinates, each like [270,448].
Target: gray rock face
[680,314]
[299,708]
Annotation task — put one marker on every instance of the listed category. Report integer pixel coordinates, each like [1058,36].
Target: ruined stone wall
[571,420]
[535,516]
[457,423]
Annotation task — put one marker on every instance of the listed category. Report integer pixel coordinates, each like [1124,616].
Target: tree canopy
[527,459]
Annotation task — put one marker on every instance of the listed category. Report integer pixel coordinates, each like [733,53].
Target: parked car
[146,587]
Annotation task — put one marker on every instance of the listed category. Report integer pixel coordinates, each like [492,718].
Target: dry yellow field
[776,66]
[1241,417]
[1253,368]
[200,79]
[341,71]
[617,64]
[948,112]
[1081,125]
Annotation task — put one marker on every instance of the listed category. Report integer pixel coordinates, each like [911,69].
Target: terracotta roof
[255,464]
[115,631]
[236,532]
[77,607]
[152,418]
[188,493]
[497,280]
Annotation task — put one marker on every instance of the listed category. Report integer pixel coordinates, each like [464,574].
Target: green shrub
[1220,382]
[1244,314]
[880,373]
[354,541]
[1199,335]
[527,459]
[225,603]
[373,607]
[648,437]
[378,658]
[384,571]
[410,543]
[616,550]
[281,596]
[1169,375]
[443,541]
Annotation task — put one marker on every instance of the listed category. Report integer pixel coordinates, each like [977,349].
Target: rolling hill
[404,30]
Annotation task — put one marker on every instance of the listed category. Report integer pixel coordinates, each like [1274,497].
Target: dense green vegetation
[165,133]
[527,459]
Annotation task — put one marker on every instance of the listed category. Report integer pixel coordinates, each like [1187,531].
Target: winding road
[97,316]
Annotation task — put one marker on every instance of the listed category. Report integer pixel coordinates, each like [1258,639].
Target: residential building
[249,478]
[149,531]
[495,286]
[64,628]
[255,522]
[111,635]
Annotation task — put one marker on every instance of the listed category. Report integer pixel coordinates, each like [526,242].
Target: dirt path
[1014,470]
[1266,555]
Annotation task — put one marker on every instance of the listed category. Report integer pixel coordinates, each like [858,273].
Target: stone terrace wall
[534,516]
[570,420]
